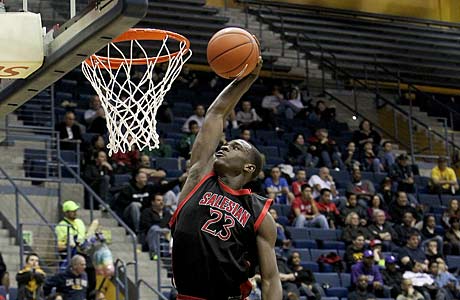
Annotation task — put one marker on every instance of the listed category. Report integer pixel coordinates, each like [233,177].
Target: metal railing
[151,288]
[93,196]
[324,59]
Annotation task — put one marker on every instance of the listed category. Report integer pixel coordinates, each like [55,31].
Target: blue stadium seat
[266,135]
[174,173]
[379,177]
[322,234]
[429,200]
[345,280]
[339,292]
[340,175]
[274,160]
[167,163]
[445,199]
[69,156]
[121,179]
[269,151]
[367,176]
[298,233]
[330,278]
[283,220]
[422,183]
[88,136]
[309,244]
[310,265]
[339,245]
[453,261]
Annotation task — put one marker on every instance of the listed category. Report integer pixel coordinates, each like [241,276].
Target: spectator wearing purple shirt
[366,267]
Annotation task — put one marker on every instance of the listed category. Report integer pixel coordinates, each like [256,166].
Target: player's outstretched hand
[253,75]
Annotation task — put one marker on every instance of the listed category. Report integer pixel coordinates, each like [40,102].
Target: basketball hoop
[131,103]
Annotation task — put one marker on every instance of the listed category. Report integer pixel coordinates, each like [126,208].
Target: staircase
[45,198]
[272,44]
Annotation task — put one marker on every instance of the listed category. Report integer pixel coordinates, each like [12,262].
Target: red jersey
[296,185]
[327,208]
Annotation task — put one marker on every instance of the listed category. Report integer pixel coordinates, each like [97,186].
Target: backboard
[78,38]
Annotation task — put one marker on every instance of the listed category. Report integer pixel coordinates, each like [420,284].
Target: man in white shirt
[322,181]
[198,117]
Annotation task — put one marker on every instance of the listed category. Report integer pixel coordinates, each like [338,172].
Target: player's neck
[235,183]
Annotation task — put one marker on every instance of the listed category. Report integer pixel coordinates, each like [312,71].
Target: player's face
[232,157]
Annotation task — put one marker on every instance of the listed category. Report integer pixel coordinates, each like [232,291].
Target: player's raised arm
[211,130]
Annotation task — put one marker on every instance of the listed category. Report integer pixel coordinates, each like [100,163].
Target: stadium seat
[329,278]
[167,163]
[283,220]
[269,151]
[339,245]
[304,254]
[121,179]
[309,244]
[453,261]
[310,265]
[299,233]
[429,200]
[69,156]
[339,292]
[322,234]
[445,199]
[345,280]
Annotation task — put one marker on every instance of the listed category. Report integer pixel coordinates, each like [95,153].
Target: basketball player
[221,232]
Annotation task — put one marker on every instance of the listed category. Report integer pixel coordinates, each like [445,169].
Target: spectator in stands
[294,106]
[367,268]
[273,105]
[428,230]
[91,113]
[453,236]
[412,252]
[305,279]
[408,292]
[322,181]
[97,144]
[322,114]
[364,189]
[386,190]
[31,279]
[71,283]
[198,117]
[2,6]
[99,123]
[401,173]
[298,153]
[377,247]
[406,228]
[377,203]
[366,134]
[452,211]
[126,162]
[245,134]
[71,224]
[288,279]
[247,117]
[446,280]
[422,281]
[136,196]
[354,252]
[382,230]
[153,220]
[353,228]
[431,251]
[164,150]
[362,290]
[188,78]
[283,237]
[352,206]
[96,295]
[301,179]
[443,178]
[277,187]
[186,142]
[400,206]
[257,186]
[392,276]
[306,212]
[369,161]
[350,157]
[323,147]
[69,132]
[145,166]
[387,156]
[327,207]
[98,175]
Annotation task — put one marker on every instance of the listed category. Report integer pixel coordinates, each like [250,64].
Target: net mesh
[130,103]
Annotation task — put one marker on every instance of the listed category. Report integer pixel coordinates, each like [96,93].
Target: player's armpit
[266,238]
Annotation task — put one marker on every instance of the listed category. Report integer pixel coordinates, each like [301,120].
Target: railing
[325,62]
[152,289]
[93,196]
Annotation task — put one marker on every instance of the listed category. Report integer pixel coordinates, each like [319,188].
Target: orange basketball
[230,50]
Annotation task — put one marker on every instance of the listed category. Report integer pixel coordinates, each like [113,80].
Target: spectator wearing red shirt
[327,207]
[305,211]
[125,162]
[301,179]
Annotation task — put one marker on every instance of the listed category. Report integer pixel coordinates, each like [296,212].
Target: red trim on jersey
[189,195]
[245,289]
[186,297]
[229,190]
[261,217]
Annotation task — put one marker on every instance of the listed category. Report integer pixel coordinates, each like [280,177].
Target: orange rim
[142,34]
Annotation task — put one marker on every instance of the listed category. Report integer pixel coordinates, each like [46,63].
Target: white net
[131,102]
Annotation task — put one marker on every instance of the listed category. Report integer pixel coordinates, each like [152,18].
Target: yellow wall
[445,10]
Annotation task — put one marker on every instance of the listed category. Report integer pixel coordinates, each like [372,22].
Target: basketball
[230,50]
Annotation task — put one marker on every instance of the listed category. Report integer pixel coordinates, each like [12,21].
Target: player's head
[238,157]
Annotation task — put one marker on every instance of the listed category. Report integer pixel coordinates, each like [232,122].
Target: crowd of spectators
[323,179]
